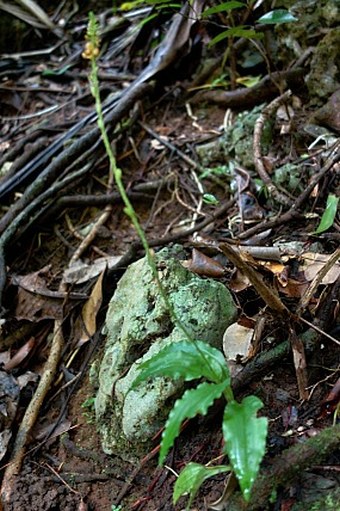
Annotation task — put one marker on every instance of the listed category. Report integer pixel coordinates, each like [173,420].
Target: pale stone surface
[138,325]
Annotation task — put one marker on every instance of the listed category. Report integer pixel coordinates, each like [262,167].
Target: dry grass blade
[37,12]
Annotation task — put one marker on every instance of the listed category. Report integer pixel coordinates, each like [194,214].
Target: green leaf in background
[226,6]
[329,214]
[128,6]
[220,170]
[188,360]
[209,198]
[249,81]
[193,402]
[192,477]
[247,33]
[56,72]
[245,440]
[276,17]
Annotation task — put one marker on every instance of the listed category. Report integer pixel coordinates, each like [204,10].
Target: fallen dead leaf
[314,262]
[202,264]
[86,324]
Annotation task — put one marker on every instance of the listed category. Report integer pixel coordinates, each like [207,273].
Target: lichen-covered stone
[324,77]
[236,144]
[138,325]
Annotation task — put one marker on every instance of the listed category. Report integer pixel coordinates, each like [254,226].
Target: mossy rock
[138,325]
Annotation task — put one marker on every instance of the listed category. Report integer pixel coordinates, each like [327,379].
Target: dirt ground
[68,470]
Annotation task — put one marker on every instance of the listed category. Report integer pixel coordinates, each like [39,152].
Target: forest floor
[64,467]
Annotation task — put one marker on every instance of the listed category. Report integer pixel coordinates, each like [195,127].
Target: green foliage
[158,4]
[209,198]
[220,170]
[56,72]
[225,7]
[245,440]
[193,402]
[329,214]
[89,412]
[276,17]
[185,359]
[192,477]
[240,31]
[244,433]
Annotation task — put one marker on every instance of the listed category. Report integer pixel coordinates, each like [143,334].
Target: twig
[267,294]
[18,212]
[273,301]
[294,212]
[134,474]
[193,164]
[75,150]
[319,330]
[258,159]
[31,414]
[72,490]
[244,97]
[94,231]
[300,363]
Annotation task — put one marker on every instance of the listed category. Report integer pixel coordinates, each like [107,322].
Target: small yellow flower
[91,51]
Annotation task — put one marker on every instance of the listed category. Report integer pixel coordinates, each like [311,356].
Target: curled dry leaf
[237,346]
[81,272]
[35,301]
[239,282]
[86,324]
[332,400]
[204,265]
[21,354]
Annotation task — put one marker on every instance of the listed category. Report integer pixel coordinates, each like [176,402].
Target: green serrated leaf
[225,7]
[329,214]
[193,402]
[245,440]
[192,477]
[185,359]
[276,17]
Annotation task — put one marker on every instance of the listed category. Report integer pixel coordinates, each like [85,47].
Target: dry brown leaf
[292,288]
[21,354]
[204,265]
[86,324]
[35,301]
[239,282]
[81,272]
[314,262]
